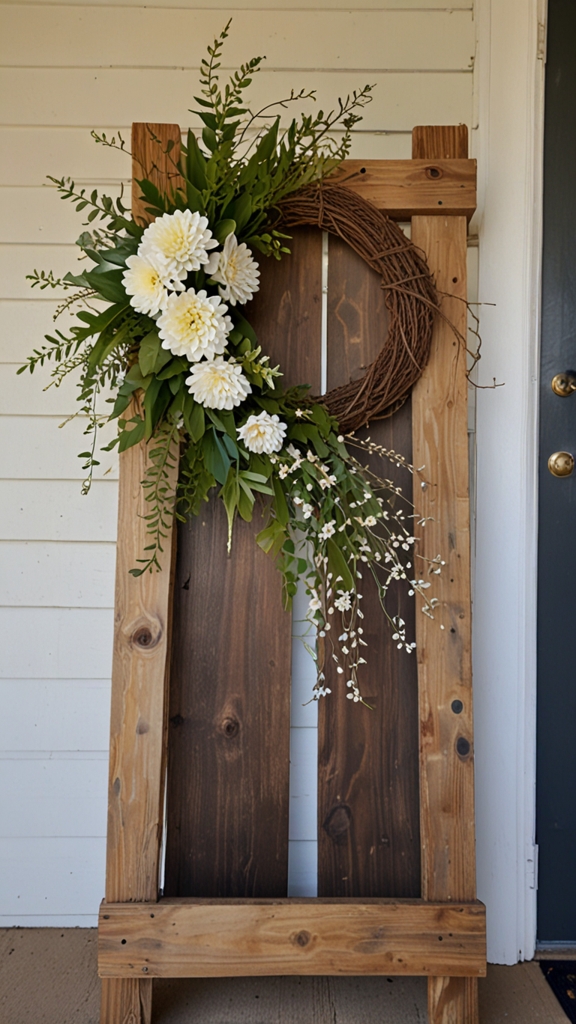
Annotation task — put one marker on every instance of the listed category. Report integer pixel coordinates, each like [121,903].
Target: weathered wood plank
[405,188]
[152,159]
[206,938]
[368,810]
[126,1001]
[138,700]
[228,755]
[229,759]
[444,655]
[440,142]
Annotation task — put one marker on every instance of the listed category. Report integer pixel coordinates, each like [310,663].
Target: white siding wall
[67,68]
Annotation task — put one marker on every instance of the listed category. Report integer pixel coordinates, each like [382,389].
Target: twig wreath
[410,298]
[159,324]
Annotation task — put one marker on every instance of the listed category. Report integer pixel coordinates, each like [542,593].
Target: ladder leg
[126,1001]
[453,1001]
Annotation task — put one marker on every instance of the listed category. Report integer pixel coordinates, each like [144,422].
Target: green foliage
[159,494]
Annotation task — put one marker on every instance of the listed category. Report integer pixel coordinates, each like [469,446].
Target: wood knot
[434,173]
[462,746]
[142,728]
[230,727]
[302,938]
[144,638]
[176,720]
[338,821]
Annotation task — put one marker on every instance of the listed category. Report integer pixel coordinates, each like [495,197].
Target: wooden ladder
[439,931]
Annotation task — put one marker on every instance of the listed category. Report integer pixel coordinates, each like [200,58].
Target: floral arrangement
[192,382]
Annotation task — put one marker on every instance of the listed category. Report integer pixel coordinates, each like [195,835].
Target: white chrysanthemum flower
[146,281]
[263,433]
[218,384]
[235,270]
[194,324]
[181,238]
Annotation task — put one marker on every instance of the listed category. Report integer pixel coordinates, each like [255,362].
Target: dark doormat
[561,976]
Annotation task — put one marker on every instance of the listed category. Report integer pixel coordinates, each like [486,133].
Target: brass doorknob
[561,464]
[564,384]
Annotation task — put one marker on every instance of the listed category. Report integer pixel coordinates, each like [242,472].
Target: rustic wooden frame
[441,935]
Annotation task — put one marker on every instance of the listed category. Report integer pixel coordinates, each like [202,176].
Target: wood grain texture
[444,655]
[151,159]
[404,188]
[453,1000]
[368,811]
[440,142]
[229,760]
[126,1001]
[440,443]
[205,938]
[141,626]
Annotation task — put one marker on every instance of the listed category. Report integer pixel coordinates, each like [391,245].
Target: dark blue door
[556,773]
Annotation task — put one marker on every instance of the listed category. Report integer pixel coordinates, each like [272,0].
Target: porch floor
[48,976]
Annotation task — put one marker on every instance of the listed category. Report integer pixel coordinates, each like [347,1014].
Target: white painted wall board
[301,881]
[38,215]
[48,920]
[56,510]
[92,37]
[34,394]
[54,714]
[258,5]
[304,710]
[24,322]
[303,783]
[49,149]
[44,574]
[93,98]
[16,261]
[36,152]
[51,876]
[34,448]
[61,796]
[57,643]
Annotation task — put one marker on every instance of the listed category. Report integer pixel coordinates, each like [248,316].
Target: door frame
[507,139]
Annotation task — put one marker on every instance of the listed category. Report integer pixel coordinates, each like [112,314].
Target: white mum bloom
[235,270]
[218,384]
[181,238]
[146,281]
[194,324]
[314,605]
[328,530]
[263,433]
[371,521]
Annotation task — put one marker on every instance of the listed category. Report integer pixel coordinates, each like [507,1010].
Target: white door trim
[508,142]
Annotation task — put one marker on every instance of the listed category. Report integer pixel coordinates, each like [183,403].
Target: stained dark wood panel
[368,801]
[229,717]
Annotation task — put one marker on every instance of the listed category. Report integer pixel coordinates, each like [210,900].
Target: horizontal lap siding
[64,69]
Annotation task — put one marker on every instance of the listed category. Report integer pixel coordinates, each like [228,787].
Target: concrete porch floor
[48,976]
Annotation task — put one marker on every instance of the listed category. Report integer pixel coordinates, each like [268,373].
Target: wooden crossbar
[409,188]
[195,938]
